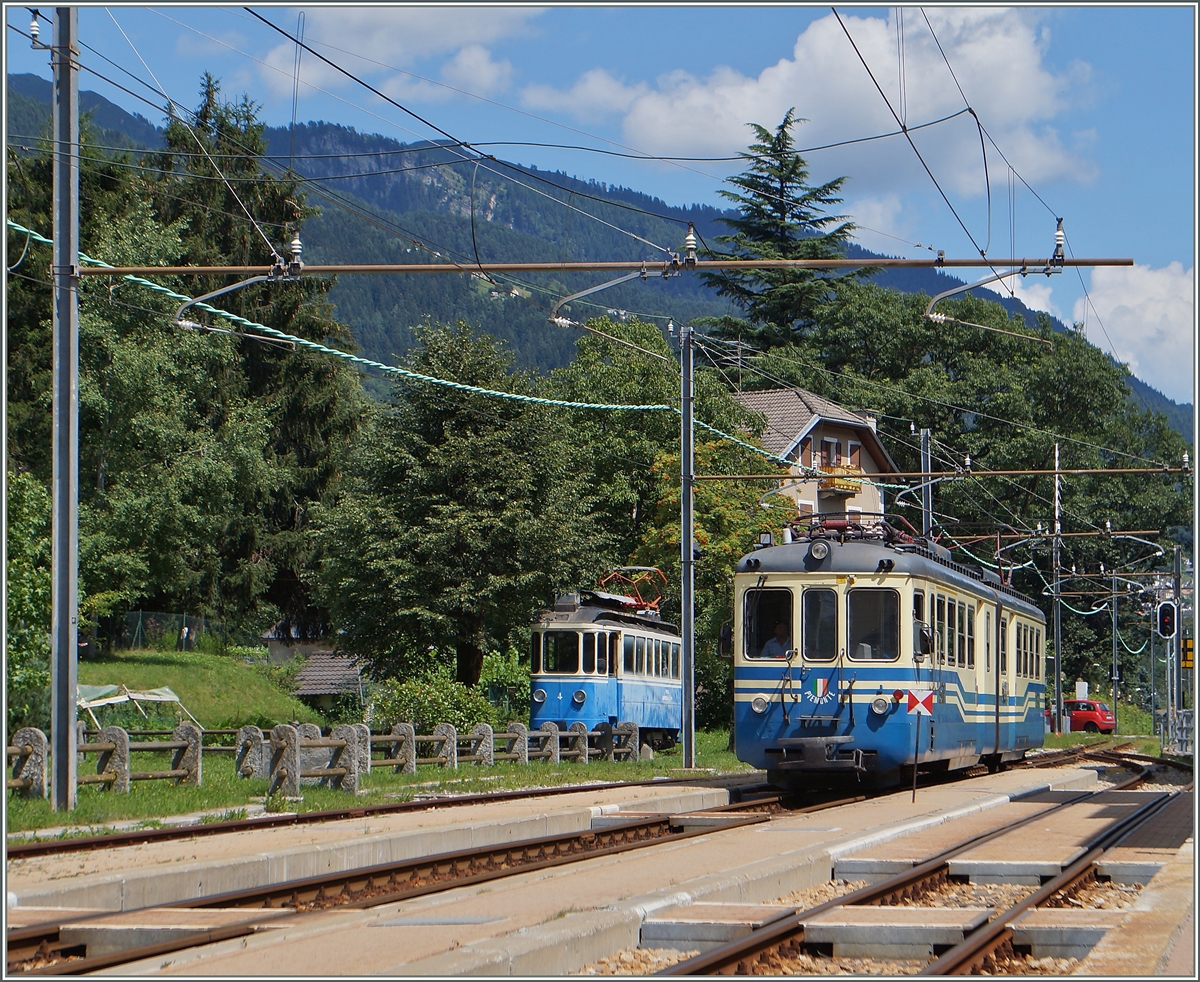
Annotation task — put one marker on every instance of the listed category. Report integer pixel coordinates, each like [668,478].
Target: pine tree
[781,216]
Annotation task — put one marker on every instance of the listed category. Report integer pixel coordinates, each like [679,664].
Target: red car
[1089,716]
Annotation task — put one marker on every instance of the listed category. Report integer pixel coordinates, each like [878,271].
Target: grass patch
[1142,744]
[220,691]
[222,789]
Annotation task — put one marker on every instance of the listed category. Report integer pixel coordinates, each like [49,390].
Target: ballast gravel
[637,961]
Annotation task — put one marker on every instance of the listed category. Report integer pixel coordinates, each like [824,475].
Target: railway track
[986,949]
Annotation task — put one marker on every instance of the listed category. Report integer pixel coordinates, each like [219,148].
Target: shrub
[504,682]
[429,701]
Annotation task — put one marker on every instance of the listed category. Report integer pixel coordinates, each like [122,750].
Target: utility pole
[926,487]
[1058,692]
[1177,593]
[64,617]
[687,548]
[1153,672]
[1115,668]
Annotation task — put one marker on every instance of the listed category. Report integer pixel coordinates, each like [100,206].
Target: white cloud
[595,95]
[1149,315]
[472,69]
[997,56]
[396,36]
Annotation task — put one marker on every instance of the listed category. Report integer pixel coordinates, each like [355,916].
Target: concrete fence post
[115,762]
[604,740]
[313,757]
[253,754]
[578,741]
[80,740]
[483,744]
[346,757]
[285,761]
[189,758]
[551,742]
[404,749]
[364,748]
[627,741]
[449,745]
[517,742]
[31,766]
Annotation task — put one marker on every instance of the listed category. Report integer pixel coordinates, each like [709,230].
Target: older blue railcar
[602,658]
[837,625]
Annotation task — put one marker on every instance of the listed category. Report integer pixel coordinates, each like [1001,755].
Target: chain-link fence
[166,631]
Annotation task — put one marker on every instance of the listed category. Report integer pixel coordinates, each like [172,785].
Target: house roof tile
[327,674]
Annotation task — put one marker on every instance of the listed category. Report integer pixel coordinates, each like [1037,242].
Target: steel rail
[789,931]
[25,850]
[651,267]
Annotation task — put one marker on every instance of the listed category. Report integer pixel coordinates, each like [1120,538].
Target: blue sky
[1093,106]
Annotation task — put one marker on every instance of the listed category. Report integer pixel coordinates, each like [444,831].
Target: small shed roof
[327,674]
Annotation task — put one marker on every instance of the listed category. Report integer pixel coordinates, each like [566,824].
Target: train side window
[614,651]
[962,635]
[639,664]
[675,660]
[1020,650]
[560,652]
[987,641]
[629,654]
[919,606]
[1003,656]
[970,636]
[820,625]
[1039,654]
[658,666]
[873,623]
[535,654]
[602,653]
[768,622]
[940,627]
[589,654]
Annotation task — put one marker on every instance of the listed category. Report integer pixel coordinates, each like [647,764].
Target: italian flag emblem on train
[820,690]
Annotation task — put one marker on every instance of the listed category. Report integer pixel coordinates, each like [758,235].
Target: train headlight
[759,705]
[580,696]
[539,695]
[880,705]
[819,550]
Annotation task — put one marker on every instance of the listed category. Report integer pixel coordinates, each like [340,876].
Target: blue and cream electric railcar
[840,624]
[600,658]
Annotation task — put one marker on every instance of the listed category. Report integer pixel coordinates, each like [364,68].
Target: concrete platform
[553,922]
[702,925]
[892,932]
[1064,932]
[166,872]
[120,932]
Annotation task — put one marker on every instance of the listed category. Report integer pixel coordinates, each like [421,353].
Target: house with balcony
[842,445]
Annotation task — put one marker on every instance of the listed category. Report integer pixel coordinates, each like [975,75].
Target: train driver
[780,644]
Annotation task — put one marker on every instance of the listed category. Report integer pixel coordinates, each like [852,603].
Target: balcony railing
[840,479]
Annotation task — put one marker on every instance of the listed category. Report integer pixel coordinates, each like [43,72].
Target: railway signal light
[1166,619]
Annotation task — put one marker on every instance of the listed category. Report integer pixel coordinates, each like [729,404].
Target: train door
[989,721]
[1006,679]
[596,648]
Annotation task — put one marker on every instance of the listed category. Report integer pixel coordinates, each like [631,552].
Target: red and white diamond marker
[920,702]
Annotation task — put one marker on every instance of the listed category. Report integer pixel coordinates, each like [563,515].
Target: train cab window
[962,635]
[602,654]
[614,652]
[629,654]
[1020,650]
[675,660]
[919,606]
[820,625]
[1002,663]
[873,622]
[639,662]
[560,652]
[535,654]
[768,623]
[950,646]
[987,641]
[970,636]
[589,654]
[659,670]
[1039,655]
